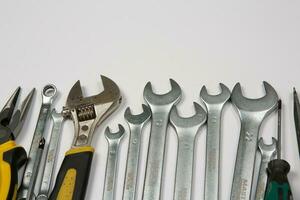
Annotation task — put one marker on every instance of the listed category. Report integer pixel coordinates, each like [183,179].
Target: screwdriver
[278,187]
[297,117]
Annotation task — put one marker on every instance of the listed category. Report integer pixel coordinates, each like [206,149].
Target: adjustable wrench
[136,124]
[268,152]
[160,106]
[252,113]
[214,105]
[113,140]
[186,129]
[48,95]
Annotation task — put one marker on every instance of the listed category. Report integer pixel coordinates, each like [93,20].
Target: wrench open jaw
[114,136]
[139,118]
[186,129]
[252,113]
[220,98]
[160,106]
[87,113]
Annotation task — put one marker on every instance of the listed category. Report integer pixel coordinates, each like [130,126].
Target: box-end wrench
[268,152]
[57,119]
[214,105]
[113,140]
[136,124]
[186,129]
[48,95]
[160,106]
[252,113]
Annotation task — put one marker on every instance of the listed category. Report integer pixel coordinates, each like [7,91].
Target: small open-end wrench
[252,113]
[160,106]
[57,119]
[268,152]
[186,129]
[214,105]
[113,140]
[48,95]
[136,124]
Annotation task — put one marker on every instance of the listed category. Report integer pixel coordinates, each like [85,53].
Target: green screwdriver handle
[278,185]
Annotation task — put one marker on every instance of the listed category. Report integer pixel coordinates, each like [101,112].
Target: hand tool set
[87,113]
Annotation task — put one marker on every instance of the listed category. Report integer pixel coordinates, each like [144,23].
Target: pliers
[12,156]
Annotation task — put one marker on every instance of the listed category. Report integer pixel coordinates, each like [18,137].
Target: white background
[132,42]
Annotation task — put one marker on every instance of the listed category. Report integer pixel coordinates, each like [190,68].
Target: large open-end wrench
[136,124]
[268,152]
[214,105]
[186,129]
[160,106]
[48,95]
[252,113]
[113,140]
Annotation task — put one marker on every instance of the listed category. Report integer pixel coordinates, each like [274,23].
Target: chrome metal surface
[186,129]
[136,124]
[160,106]
[252,113]
[88,113]
[268,152]
[113,140]
[214,106]
[45,187]
[48,95]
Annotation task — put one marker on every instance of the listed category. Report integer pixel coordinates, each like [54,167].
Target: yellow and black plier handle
[12,157]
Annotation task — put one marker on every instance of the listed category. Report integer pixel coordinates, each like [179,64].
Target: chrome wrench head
[139,119]
[214,105]
[182,123]
[170,98]
[268,151]
[88,112]
[186,129]
[113,139]
[219,99]
[136,124]
[260,107]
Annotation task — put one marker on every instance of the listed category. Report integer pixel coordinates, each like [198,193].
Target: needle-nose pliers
[12,156]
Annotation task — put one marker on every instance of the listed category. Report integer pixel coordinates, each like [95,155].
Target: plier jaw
[12,121]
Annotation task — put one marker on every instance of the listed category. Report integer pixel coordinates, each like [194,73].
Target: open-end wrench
[48,95]
[160,106]
[57,119]
[186,129]
[214,105]
[268,152]
[252,113]
[136,124]
[113,140]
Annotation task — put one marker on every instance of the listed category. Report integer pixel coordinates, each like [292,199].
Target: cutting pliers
[12,156]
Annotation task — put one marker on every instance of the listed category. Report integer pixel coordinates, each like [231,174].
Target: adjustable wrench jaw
[88,113]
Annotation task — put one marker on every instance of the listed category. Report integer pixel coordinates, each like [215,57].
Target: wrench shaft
[245,161]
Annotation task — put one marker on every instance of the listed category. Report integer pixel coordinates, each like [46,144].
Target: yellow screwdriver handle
[12,157]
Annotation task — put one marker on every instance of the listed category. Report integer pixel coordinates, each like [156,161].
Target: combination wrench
[186,129]
[268,152]
[48,95]
[160,106]
[252,113]
[214,105]
[136,124]
[45,187]
[113,140]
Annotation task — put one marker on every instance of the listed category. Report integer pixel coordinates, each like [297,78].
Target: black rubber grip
[16,158]
[72,179]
